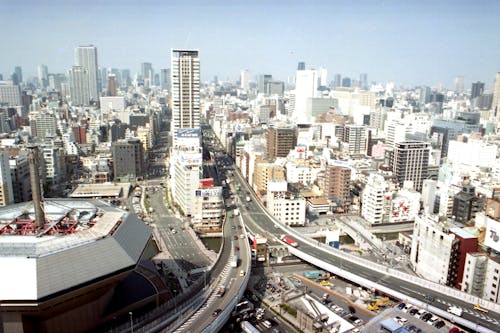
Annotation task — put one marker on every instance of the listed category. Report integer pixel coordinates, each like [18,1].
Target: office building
[280,140]
[376,203]
[459,84]
[425,95]
[185,71]
[165,78]
[20,175]
[112,86]
[56,81]
[245,79]
[346,82]
[363,81]
[128,159]
[43,124]
[495,105]
[10,94]
[18,75]
[466,204]
[337,185]
[79,86]
[264,79]
[86,58]
[337,82]
[275,88]
[306,86]
[6,190]
[286,207]
[301,66]
[355,139]
[409,160]
[477,89]
[147,73]
[43,76]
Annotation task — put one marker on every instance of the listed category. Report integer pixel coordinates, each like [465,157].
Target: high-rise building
[376,204]
[56,81]
[147,73]
[43,76]
[165,78]
[275,87]
[346,82]
[466,204]
[495,104]
[10,94]
[459,84]
[86,57]
[355,139]
[337,185]
[112,86]
[477,89]
[79,85]
[6,191]
[425,95]
[280,140]
[20,175]
[43,124]
[128,159]
[409,160]
[185,71]
[306,86]
[245,79]
[263,81]
[363,81]
[337,81]
[323,77]
[18,71]
[301,66]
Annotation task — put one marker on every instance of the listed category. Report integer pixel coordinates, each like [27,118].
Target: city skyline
[411,44]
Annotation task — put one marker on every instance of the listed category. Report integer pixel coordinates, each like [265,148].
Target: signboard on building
[209,192]
[492,237]
[190,158]
[188,133]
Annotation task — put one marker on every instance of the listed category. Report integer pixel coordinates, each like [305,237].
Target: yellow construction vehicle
[373,306]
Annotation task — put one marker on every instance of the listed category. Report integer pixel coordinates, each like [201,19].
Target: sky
[407,42]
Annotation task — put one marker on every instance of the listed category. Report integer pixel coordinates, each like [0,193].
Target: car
[429,298]
[235,237]
[426,316]
[216,312]
[324,283]
[401,306]
[242,273]
[401,320]
[358,322]
[438,324]
[242,236]
[413,311]
[454,330]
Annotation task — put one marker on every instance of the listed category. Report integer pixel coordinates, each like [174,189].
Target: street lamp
[131,322]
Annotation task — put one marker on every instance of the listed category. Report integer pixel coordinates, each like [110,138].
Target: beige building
[264,172]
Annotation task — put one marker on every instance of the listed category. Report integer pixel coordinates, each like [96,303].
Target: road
[259,222]
[222,274]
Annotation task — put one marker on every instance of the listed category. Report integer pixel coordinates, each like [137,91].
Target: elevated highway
[366,273]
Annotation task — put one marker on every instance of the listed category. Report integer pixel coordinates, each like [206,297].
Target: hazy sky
[422,42]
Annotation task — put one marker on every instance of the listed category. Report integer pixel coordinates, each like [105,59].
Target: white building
[6,190]
[431,249]
[10,94]
[79,85]
[283,206]
[186,171]
[245,79]
[473,153]
[185,71]
[208,208]
[86,58]
[376,200]
[355,139]
[112,103]
[306,86]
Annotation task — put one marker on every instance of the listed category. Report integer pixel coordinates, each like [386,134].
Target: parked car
[216,312]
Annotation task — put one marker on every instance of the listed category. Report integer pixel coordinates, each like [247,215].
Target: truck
[221,290]
[234,261]
[289,241]
[455,310]
[313,274]
[248,198]
[236,212]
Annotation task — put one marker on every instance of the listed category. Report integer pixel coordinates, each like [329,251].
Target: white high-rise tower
[245,79]
[185,72]
[86,57]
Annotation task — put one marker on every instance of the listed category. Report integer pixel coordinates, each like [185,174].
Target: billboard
[190,158]
[492,237]
[188,132]
[209,192]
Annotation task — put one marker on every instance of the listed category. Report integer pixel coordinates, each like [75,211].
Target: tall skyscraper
[263,80]
[477,89]
[43,76]
[323,77]
[280,140]
[18,71]
[245,79]
[6,191]
[79,85]
[185,71]
[147,73]
[165,78]
[306,86]
[301,66]
[337,81]
[495,105]
[363,81]
[112,86]
[86,57]
[459,84]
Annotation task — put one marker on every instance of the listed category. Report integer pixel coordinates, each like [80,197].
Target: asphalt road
[259,222]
